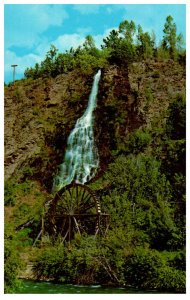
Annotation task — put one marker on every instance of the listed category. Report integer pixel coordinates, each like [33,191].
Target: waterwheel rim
[75,209]
[77,199]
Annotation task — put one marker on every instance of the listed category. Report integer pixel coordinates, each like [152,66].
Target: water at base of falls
[81,159]
[34,287]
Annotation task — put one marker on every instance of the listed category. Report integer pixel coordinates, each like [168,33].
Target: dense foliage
[127,44]
[143,187]
[144,247]
[89,261]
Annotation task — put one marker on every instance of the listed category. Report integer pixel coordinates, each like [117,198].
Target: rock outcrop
[39,114]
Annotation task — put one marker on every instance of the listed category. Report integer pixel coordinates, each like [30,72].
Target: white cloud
[86,9]
[84,30]
[63,42]
[66,41]
[22,62]
[43,47]
[109,10]
[25,23]
[99,37]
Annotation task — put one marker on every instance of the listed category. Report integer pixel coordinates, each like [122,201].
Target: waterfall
[81,157]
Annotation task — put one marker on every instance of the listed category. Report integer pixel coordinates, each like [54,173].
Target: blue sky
[31,29]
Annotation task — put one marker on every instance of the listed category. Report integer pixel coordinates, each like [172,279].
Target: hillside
[40,114]
[139,129]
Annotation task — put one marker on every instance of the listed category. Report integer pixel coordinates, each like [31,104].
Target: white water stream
[81,157]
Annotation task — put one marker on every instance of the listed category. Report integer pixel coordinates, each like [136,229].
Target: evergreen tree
[112,40]
[128,29]
[170,38]
[89,43]
[145,47]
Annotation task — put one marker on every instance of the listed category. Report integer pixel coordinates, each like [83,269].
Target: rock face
[116,111]
[36,110]
[40,114]
[156,83]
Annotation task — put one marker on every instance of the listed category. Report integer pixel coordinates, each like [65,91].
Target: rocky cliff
[39,114]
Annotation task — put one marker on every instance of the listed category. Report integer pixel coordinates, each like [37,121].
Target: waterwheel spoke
[83,195]
[68,200]
[63,225]
[69,193]
[86,207]
[74,203]
[70,221]
[75,210]
[78,194]
[63,201]
[86,198]
[87,203]
[72,200]
[60,209]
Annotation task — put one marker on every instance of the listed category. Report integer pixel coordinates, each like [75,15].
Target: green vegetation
[14,243]
[171,42]
[143,184]
[129,43]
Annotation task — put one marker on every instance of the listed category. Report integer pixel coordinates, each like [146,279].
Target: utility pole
[14,71]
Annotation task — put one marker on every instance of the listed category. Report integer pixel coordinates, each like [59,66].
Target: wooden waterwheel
[75,209]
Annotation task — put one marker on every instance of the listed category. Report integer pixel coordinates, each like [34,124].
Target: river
[34,287]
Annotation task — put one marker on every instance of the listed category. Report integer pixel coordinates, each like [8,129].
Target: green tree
[180,44]
[90,47]
[52,53]
[139,196]
[127,29]
[145,47]
[176,121]
[174,160]
[48,66]
[12,260]
[147,268]
[122,50]
[171,40]
[64,62]
[112,40]
[89,43]
[29,73]
[126,50]
[137,141]
[124,54]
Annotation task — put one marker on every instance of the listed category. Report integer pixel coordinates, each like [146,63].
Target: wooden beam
[77,225]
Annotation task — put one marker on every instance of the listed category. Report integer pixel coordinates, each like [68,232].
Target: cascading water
[81,157]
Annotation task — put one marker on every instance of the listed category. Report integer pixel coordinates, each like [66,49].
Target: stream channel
[43,287]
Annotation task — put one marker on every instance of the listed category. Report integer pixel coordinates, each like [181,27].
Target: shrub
[176,260]
[141,268]
[11,269]
[138,141]
[51,263]
[156,74]
[171,280]
[84,261]
[63,264]
[177,118]
[139,194]
[147,268]
[12,261]
[9,194]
